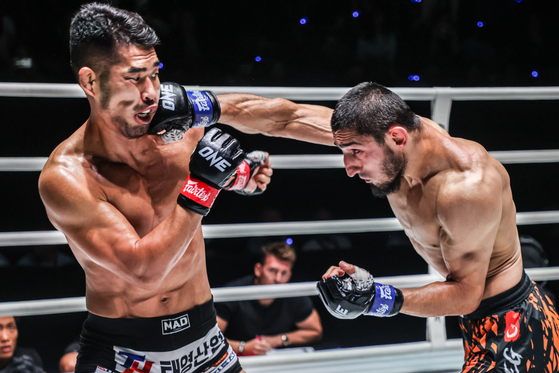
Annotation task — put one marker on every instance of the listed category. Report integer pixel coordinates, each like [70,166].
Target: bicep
[95,226]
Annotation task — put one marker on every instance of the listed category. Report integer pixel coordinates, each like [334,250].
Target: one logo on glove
[167,97]
[217,161]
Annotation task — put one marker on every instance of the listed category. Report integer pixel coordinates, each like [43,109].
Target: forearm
[440,299]
[277,117]
[297,338]
[153,256]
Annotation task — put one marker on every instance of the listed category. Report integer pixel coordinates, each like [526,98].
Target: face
[8,337]
[378,165]
[274,271]
[129,97]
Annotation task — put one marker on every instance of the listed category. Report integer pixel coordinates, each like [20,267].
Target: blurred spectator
[4,262]
[50,256]
[321,242]
[534,256]
[67,362]
[254,327]
[15,359]
[254,244]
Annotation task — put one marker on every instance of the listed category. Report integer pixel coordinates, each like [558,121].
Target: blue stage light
[413,78]
[480,24]
[160,65]
[356,14]
[258,59]
[303,20]
[535,74]
[289,241]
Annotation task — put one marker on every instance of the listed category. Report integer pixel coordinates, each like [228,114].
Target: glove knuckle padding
[179,110]
[216,157]
[342,298]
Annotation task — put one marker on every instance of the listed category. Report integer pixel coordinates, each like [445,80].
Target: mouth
[144,117]
[6,349]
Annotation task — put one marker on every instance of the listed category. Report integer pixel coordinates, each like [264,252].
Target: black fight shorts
[515,331]
[188,342]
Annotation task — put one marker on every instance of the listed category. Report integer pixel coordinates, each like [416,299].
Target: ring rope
[53,237]
[310,161]
[226,294]
[73,90]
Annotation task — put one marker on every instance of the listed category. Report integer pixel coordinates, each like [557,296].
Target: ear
[87,80]
[398,135]
[258,269]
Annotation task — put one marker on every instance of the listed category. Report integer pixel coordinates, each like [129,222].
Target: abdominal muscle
[184,287]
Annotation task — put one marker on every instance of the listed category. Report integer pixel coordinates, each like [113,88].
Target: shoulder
[473,188]
[65,184]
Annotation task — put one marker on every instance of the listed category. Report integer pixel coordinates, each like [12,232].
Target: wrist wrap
[206,108]
[388,301]
[197,196]
[242,178]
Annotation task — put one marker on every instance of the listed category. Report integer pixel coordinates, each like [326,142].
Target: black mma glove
[245,171]
[350,296]
[180,110]
[212,164]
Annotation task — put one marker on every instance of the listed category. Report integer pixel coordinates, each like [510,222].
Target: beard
[394,168]
[130,131]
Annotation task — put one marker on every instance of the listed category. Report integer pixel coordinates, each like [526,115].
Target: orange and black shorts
[515,331]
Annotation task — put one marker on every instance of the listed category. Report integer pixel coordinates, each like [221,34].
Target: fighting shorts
[187,342]
[515,331]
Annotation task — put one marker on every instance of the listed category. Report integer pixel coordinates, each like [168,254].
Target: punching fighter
[129,189]
[455,204]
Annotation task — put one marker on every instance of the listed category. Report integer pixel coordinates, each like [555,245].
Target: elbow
[471,303]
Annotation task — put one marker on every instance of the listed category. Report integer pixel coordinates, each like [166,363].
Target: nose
[149,91]
[352,166]
[3,335]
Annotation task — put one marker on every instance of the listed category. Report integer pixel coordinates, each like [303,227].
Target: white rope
[395,358]
[72,90]
[310,161]
[226,294]
[33,238]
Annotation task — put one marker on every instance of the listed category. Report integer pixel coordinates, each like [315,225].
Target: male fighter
[112,189]
[455,204]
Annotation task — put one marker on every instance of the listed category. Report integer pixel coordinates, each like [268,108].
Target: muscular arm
[277,117]
[469,213]
[75,205]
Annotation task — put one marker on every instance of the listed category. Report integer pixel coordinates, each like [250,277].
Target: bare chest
[416,212]
[144,199]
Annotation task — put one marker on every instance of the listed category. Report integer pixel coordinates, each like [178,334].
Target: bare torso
[145,196]
[417,209]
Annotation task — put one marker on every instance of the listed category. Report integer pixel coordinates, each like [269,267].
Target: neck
[427,154]
[103,140]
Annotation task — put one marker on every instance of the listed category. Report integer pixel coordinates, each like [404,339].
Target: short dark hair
[96,32]
[280,250]
[370,109]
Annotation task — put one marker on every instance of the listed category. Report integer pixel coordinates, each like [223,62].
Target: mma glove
[179,110]
[245,171]
[212,164]
[350,296]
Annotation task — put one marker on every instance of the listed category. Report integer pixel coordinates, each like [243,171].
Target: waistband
[504,301]
[151,333]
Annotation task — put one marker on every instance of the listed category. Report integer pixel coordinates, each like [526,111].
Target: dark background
[216,43]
